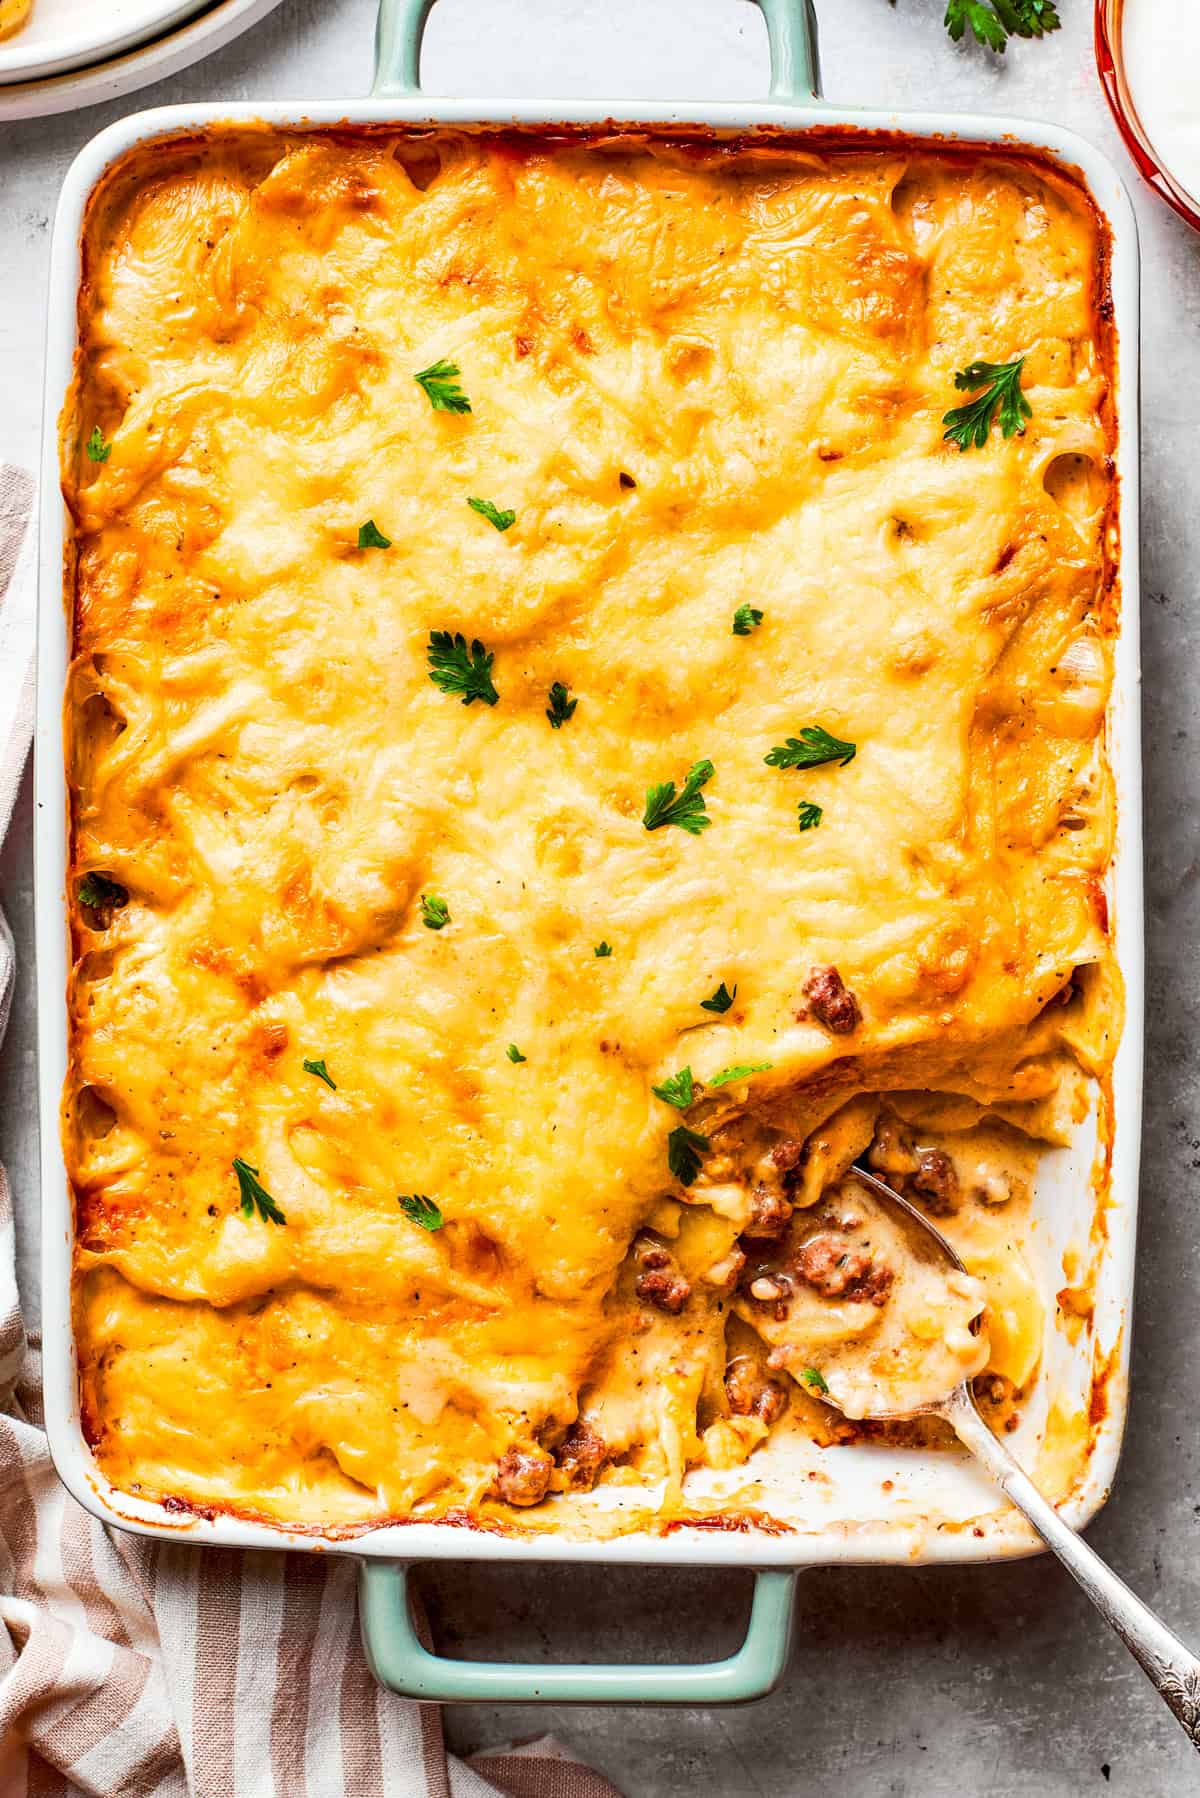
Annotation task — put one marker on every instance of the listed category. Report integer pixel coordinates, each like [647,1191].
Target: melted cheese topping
[701,378]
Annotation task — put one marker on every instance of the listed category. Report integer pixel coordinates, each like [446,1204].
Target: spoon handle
[1160,1653]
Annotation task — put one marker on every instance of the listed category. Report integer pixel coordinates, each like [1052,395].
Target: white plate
[123,73]
[68,34]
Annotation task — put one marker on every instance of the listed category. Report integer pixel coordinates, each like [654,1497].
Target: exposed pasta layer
[703,380]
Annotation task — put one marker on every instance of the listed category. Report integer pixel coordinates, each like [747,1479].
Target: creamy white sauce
[1161,46]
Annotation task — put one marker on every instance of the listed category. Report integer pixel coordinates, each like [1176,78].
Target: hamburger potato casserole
[591,658]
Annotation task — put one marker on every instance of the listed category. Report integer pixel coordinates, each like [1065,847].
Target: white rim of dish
[135,68]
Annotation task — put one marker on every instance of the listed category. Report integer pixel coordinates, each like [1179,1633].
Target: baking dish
[864,1504]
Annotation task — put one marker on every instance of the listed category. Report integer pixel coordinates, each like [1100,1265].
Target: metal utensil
[1159,1652]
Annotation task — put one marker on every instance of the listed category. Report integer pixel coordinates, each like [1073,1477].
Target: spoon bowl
[881,1302]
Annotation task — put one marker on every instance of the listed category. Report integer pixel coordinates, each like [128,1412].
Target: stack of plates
[72,53]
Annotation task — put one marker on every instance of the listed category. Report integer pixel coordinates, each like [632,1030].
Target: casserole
[933,1508]
[281,845]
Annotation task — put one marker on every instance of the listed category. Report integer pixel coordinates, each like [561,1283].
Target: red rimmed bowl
[1110,60]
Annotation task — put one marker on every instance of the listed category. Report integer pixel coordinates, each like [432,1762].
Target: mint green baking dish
[870,1506]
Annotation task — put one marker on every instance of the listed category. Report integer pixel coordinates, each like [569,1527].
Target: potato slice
[13,14]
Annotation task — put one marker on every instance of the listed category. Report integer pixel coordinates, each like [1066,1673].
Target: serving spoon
[1174,1670]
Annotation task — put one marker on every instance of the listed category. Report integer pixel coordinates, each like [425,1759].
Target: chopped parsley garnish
[740,1072]
[994,21]
[811,749]
[678,1090]
[561,706]
[453,668]
[664,806]
[970,425]
[421,1209]
[435,913]
[745,619]
[439,383]
[371,537]
[813,1377]
[685,1149]
[514,1054]
[808,815]
[322,1072]
[255,1196]
[97,891]
[721,1000]
[97,449]
[493,514]
[602,949]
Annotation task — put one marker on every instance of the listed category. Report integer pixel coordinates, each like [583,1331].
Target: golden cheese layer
[703,377]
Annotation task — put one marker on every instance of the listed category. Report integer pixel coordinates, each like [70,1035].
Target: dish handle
[400,1661]
[791,34]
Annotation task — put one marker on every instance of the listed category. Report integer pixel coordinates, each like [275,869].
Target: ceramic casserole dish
[871,1503]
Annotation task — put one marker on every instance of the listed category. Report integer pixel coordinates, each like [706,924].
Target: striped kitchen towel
[131,1668]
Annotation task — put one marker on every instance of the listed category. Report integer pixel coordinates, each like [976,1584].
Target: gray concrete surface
[912,1683]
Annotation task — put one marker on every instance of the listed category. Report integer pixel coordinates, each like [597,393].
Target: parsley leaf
[745,619]
[561,706]
[994,21]
[97,449]
[678,1090]
[421,1209]
[514,1054]
[686,810]
[439,383]
[982,20]
[371,537]
[602,949]
[255,1196]
[435,913]
[721,1000]
[322,1072]
[493,514]
[808,815]
[684,1151]
[970,426]
[97,892]
[1029,18]
[811,749]
[454,669]
[739,1072]
[813,1377]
